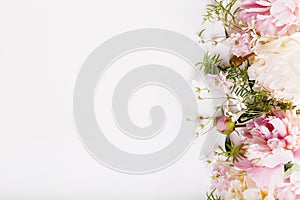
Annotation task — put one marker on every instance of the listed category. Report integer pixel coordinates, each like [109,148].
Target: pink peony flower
[271,17]
[272,140]
[240,44]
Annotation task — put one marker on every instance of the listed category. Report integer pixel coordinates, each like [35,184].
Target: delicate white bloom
[196,86]
[221,81]
[276,67]
[234,107]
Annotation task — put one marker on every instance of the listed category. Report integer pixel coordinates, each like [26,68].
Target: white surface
[42,46]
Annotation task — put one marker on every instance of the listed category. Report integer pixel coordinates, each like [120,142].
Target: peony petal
[295,178]
[252,193]
[279,126]
[264,176]
[243,164]
[277,157]
[297,156]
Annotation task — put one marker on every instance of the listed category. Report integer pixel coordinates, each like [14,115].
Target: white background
[43,44]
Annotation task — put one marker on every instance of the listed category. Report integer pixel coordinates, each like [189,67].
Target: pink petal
[243,164]
[297,156]
[264,176]
[279,126]
[278,157]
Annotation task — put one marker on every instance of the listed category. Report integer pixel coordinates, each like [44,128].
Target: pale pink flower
[236,189]
[272,140]
[271,17]
[240,44]
[221,81]
[222,175]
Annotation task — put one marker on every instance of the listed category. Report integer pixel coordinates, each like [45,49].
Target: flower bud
[225,125]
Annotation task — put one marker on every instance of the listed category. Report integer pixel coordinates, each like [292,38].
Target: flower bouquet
[259,157]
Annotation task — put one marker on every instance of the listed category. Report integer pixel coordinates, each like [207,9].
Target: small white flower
[234,107]
[198,88]
[196,85]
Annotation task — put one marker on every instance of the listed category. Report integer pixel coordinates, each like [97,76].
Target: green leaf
[212,196]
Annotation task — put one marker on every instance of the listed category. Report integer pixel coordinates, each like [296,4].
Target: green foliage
[210,64]
[258,102]
[221,12]
[232,152]
[288,166]
[212,196]
[201,32]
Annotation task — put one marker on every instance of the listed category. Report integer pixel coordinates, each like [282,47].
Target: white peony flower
[277,67]
[258,194]
[245,189]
